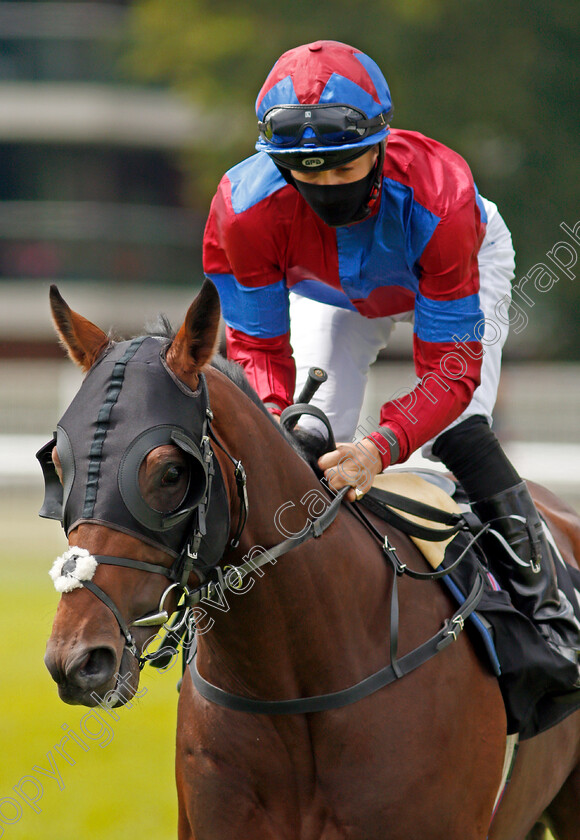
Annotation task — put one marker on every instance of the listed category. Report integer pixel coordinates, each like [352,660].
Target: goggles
[332,125]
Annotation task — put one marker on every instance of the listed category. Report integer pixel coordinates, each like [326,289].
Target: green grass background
[120,791]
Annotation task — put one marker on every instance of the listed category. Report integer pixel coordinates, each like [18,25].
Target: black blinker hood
[130,403]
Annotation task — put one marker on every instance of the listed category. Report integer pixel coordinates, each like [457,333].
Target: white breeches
[345,343]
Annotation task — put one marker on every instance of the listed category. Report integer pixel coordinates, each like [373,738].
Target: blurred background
[117,120]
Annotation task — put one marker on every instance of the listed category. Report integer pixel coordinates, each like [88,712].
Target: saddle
[427,487]
[534,680]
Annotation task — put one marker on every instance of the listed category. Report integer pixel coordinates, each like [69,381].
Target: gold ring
[358,493]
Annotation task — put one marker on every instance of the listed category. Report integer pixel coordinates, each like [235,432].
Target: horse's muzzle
[86,675]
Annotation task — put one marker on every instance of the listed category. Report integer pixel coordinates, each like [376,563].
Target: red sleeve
[448,377]
[241,256]
[268,363]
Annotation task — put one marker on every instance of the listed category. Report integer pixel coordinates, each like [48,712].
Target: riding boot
[524,563]
[526,567]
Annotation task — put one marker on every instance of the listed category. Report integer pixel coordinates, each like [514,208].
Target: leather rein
[398,667]
[182,628]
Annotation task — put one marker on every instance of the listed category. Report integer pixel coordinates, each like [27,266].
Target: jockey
[338,228]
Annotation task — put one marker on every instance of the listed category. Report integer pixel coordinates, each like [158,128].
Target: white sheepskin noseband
[74,566]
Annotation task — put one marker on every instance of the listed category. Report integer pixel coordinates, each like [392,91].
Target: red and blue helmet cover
[325,72]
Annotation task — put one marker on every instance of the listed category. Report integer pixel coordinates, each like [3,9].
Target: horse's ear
[196,341]
[83,341]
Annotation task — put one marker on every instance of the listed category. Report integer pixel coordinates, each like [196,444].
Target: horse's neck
[290,617]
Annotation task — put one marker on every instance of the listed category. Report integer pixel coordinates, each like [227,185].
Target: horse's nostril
[96,669]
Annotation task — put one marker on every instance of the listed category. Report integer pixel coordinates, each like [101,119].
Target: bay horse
[419,759]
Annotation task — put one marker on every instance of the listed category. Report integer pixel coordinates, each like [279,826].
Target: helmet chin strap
[375,190]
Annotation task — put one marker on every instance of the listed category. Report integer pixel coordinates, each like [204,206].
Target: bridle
[187,560]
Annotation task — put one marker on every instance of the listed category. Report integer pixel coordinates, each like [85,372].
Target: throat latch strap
[241,484]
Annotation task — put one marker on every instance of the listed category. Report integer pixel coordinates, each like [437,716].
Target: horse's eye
[171,476]
[164,478]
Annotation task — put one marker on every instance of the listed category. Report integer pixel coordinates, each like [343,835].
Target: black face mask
[339,204]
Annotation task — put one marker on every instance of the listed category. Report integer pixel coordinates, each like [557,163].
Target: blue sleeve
[440,321]
[260,311]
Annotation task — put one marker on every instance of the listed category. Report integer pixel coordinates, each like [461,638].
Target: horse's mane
[309,446]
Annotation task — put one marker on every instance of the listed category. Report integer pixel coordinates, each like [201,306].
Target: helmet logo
[312,162]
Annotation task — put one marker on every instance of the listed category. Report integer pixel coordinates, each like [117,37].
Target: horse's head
[131,475]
